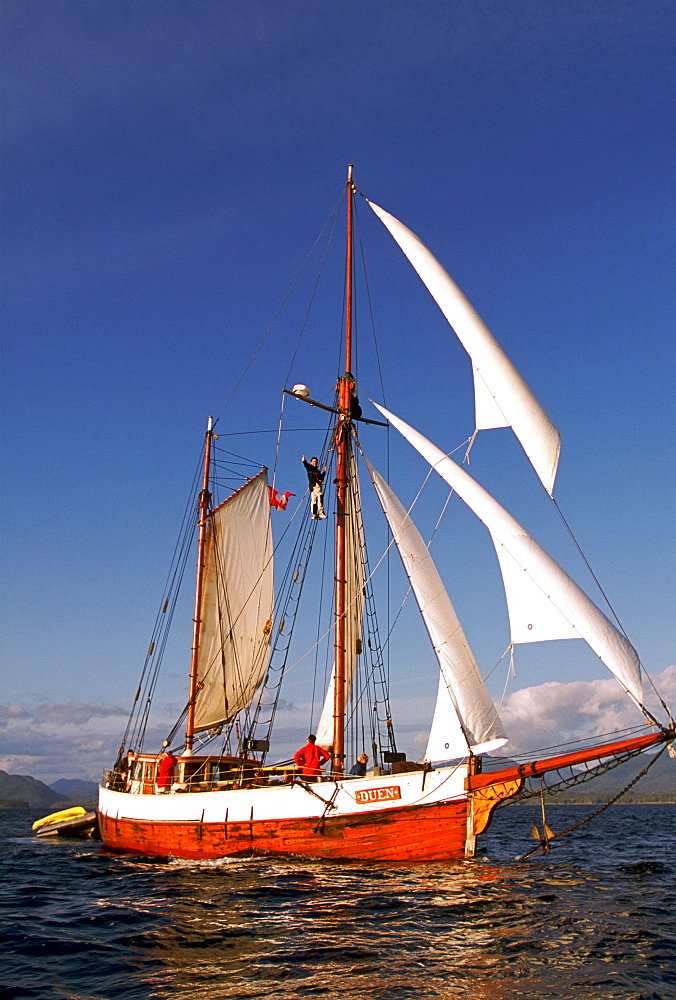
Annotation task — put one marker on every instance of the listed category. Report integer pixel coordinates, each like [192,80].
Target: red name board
[377,794]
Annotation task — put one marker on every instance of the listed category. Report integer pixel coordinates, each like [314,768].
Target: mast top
[349,173]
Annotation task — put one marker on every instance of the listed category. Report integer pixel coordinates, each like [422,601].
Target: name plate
[386,794]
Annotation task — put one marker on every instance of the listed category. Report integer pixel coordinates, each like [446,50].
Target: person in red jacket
[310,758]
[165,771]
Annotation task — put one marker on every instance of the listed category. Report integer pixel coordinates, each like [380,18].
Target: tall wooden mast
[345,386]
[203,508]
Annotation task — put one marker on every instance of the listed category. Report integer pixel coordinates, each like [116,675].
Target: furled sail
[465,717]
[354,599]
[543,601]
[237,604]
[501,396]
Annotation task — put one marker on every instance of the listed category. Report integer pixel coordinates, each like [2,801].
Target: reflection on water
[326,929]
[591,921]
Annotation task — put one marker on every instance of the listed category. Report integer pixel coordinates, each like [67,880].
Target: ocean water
[595,919]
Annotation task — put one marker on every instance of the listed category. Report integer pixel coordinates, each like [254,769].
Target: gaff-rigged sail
[501,396]
[354,600]
[237,603]
[545,603]
[465,717]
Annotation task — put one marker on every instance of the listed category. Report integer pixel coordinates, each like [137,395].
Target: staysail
[237,603]
[465,718]
[501,396]
[543,601]
[354,567]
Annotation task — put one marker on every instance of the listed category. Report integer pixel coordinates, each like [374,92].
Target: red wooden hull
[418,833]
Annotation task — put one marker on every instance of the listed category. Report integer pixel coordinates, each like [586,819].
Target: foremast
[345,388]
[203,506]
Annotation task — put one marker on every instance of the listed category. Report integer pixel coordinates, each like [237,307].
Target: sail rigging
[569,613]
[502,397]
[354,601]
[237,601]
[432,809]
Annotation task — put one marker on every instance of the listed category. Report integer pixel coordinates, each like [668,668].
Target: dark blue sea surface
[594,919]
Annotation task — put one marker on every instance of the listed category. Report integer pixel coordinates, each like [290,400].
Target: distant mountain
[658,785]
[75,789]
[21,789]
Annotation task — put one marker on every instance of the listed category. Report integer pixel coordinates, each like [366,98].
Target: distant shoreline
[554,801]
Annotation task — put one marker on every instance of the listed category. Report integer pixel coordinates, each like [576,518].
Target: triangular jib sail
[237,603]
[502,397]
[465,717]
[569,612]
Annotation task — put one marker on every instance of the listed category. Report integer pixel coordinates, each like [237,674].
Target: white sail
[550,605]
[446,740]
[502,397]
[465,717]
[533,617]
[354,597]
[236,605]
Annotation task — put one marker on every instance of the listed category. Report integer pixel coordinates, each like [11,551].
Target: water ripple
[80,923]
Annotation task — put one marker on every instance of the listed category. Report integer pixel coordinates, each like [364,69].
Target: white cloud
[554,713]
[75,712]
[51,741]
[10,712]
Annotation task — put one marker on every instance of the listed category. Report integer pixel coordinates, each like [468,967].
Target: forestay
[465,717]
[501,396]
[544,602]
[237,604]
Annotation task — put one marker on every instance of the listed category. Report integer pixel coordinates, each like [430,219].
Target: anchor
[547,832]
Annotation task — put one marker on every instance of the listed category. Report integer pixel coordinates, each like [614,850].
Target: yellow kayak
[58,817]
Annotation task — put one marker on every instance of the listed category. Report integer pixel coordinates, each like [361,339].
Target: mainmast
[345,387]
[203,508]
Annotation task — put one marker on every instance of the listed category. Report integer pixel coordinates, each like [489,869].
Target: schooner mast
[343,443]
[203,507]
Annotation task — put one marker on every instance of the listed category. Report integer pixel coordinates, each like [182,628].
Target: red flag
[279,500]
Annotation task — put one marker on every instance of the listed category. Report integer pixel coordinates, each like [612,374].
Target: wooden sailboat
[209,803]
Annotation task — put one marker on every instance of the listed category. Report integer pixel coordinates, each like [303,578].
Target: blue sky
[167,167]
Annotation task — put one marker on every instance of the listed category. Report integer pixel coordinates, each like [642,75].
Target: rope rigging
[548,836]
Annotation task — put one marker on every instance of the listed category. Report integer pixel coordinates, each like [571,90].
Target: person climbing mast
[315,478]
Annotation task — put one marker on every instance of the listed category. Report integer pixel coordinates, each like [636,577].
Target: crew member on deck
[315,478]
[359,769]
[165,771]
[310,759]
